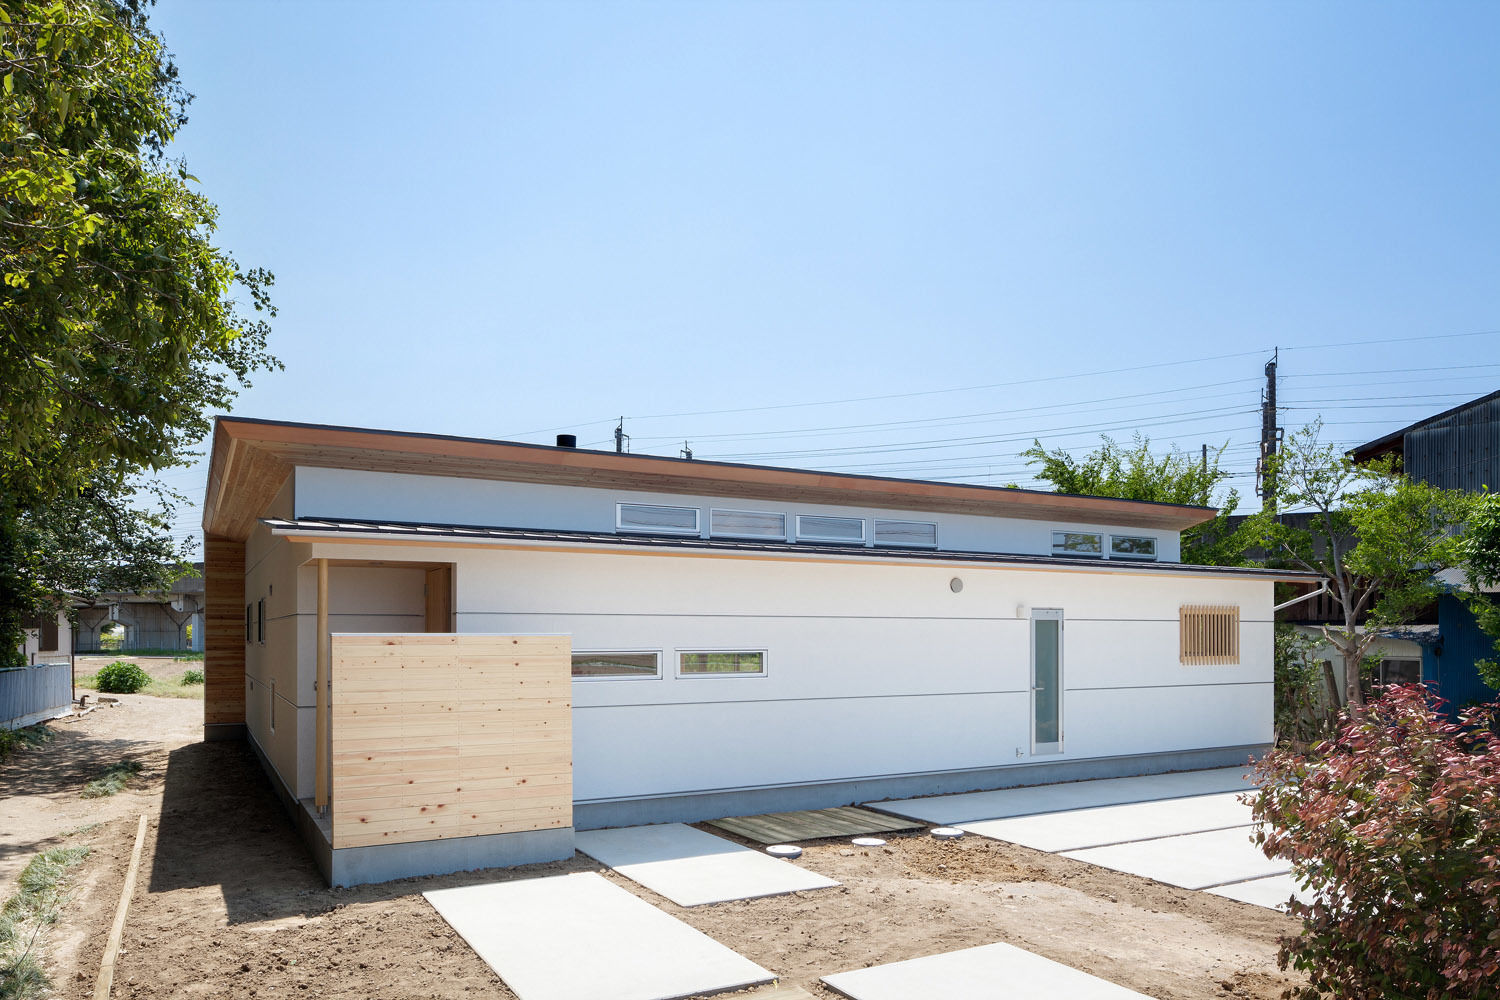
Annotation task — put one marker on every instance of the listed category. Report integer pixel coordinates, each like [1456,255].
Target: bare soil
[229,904]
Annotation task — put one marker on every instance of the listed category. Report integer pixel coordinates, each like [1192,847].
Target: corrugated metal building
[1456,449]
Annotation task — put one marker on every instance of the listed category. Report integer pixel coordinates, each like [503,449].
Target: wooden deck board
[812,824]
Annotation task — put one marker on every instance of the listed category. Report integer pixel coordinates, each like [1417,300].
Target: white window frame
[765,662]
[735,534]
[621,526]
[802,536]
[659,653]
[1155,555]
[1101,554]
[876,522]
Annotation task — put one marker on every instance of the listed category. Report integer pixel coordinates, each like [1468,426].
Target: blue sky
[882,237]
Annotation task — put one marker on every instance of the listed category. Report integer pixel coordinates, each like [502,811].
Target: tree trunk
[1331,711]
[1353,658]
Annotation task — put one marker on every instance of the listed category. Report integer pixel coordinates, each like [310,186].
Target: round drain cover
[947,832]
[785,850]
[868,842]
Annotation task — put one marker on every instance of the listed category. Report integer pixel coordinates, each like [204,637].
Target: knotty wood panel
[223,631]
[439,736]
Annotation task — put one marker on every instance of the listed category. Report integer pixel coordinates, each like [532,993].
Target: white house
[720,639]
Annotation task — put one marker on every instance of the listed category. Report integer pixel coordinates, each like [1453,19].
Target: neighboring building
[466,648]
[172,620]
[49,640]
[1458,449]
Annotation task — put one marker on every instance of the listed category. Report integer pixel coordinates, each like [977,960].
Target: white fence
[34,694]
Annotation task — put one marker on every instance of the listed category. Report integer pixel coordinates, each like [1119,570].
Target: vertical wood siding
[223,631]
[1460,451]
[442,736]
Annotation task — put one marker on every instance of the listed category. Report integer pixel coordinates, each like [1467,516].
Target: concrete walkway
[580,937]
[989,972]
[693,868]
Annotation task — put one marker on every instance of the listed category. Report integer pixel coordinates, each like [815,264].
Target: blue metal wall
[1463,645]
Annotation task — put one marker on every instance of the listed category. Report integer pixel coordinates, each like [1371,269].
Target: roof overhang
[313,531]
[252,459]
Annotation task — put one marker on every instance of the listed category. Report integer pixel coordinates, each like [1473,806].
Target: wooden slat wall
[1209,634]
[441,736]
[223,631]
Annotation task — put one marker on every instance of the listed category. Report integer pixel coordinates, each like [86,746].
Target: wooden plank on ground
[813,824]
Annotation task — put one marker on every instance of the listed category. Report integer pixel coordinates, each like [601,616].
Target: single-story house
[451,652]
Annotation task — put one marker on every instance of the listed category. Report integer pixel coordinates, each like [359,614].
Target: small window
[1132,547]
[638,664]
[818,528]
[249,623]
[273,706]
[746,524]
[721,664]
[1209,635]
[1077,543]
[1403,671]
[260,621]
[920,534]
[656,518]
[46,633]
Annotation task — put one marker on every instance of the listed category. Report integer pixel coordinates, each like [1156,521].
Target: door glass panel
[1044,699]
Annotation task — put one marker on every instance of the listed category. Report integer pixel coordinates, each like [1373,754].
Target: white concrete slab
[1076,829]
[1004,802]
[1192,861]
[693,868]
[1272,892]
[580,937]
[989,972]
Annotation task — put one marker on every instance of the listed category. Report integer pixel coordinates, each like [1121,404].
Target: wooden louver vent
[1209,634]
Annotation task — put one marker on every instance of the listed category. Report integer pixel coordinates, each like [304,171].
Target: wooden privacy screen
[442,736]
[1209,634]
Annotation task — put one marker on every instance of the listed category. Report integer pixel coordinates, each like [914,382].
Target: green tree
[123,323]
[1376,538]
[1479,561]
[1134,473]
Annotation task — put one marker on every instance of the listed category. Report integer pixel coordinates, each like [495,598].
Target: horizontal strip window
[747,524]
[656,519]
[637,664]
[711,663]
[1077,543]
[821,528]
[916,534]
[1132,547]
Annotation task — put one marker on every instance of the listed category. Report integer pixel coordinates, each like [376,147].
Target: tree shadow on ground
[222,825]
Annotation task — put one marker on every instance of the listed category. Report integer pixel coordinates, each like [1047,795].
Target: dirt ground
[229,904]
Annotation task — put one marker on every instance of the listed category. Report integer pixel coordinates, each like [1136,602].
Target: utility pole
[686,452]
[622,440]
[1270,437]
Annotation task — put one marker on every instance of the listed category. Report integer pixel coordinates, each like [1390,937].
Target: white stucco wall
[343,493]
[873,669]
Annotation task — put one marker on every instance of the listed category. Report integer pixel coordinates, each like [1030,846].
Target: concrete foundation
[383,862]
[695,807]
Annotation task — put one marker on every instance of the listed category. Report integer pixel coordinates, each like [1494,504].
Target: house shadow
[223,826]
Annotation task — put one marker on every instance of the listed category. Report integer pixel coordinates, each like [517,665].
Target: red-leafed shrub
[1394,825]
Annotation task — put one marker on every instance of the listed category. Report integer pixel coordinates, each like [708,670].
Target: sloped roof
[251,460]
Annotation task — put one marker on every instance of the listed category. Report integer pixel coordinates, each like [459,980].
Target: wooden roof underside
[252,459]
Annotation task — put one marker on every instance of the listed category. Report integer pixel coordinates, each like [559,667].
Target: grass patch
[12,740]
[176,654]
[191,677]
[86,828]
[159,687]
[114,779]
[27,915]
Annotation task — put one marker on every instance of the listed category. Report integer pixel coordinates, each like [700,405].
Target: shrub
[192,677]
[1394,826]
[122,677]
